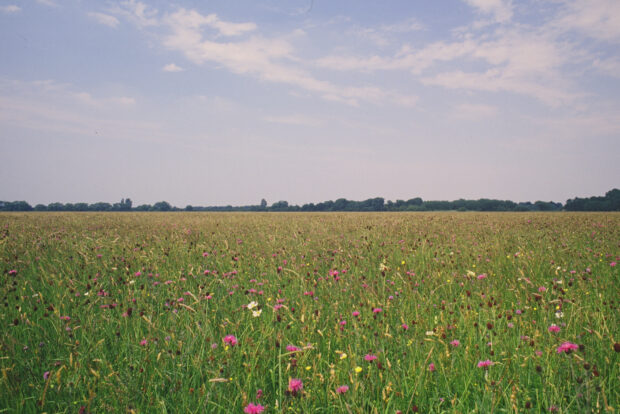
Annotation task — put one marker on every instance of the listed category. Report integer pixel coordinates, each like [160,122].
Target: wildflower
[405,326]
[65,318]
[455,343]
[358,370]
[343,356]
[485,364]
[370,357]
[342,389]
[46,375]
[377,310]
[292,348]
[295,385]
[567,347]
[257,313]
[252,305]
[482,276]
[259,394]
[356,313]
[253,409]
[143,342]
[554,328]
[542,289]
[612,264]
[231,340]
[431,367]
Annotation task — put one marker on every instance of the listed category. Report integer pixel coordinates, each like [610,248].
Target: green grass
[422,270]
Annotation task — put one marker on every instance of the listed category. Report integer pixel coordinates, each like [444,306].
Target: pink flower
[542,289]
[482,276]
[342,389]
[370,357]
[295,385]
[253,409]
[455,343]
[356,313]
[46,375]
[377,310]
[65,318]
[485,364]
[292,348]
[404,326]
[144,342]
[138,274]
[567,347]
[554,329]
[612,264]
[231,340]
[431,367]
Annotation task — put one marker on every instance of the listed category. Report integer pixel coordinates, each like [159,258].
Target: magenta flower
[404,326]
[485,364]
[377,310]
[370,357]
[356,314]
[231,340]
[431,367]
[612,264]
[455,343]
[554,328]
[295,385]
[46,375]
[567,347]
[253,409]
[144,342]
[292,348]
[542,289]
[342,389]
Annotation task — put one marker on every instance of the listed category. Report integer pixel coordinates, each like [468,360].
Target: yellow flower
[402,263]
[308,368]
[358,370]
[343,355]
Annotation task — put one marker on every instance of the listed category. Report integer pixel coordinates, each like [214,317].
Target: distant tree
[56,207]
[16,206]
[100,206]
[280,206]
[189,208]
[162,206]
[40,207]
[263,204]
[80,207]
[144,207]
[125,204]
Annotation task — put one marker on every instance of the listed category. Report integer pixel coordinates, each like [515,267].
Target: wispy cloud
[48,3]
[11,8]
[270,59]
[171,67]
[599,19]
[500,10]
[105,19]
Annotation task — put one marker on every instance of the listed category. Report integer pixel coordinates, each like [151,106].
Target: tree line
[609,202]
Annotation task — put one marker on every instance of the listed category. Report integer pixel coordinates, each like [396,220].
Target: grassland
[371,313]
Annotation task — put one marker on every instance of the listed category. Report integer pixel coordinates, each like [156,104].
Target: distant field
[304,313]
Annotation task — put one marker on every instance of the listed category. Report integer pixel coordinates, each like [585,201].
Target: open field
[351,312]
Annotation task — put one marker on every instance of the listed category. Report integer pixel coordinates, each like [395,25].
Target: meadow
[309,312]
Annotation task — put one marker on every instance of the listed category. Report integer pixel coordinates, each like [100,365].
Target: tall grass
[128,312]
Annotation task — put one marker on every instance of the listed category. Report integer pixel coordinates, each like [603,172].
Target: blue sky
[228,102]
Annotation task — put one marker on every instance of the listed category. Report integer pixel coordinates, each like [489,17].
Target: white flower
[257,313]
[252,305]
[559,314]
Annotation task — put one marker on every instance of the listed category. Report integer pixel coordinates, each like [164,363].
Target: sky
[218,102]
